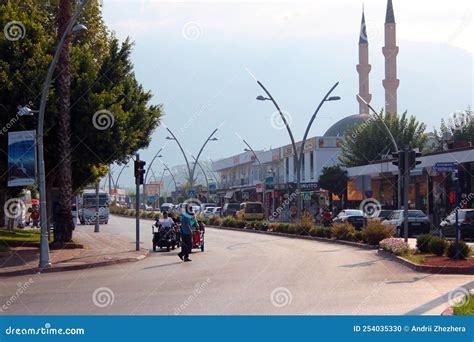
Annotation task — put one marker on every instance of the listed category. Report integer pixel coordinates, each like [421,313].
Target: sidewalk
[100,249]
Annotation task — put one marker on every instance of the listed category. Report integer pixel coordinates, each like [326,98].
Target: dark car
[381,215]
[466,224]
[354,217]
[418,222]
[230,209]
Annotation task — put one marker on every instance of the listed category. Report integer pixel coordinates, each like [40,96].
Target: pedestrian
[186,234]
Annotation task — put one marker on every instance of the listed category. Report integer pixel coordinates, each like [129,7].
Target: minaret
[390,51]
[363,68]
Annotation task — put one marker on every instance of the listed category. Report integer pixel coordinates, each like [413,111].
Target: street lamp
[298,155]
[204,173]
[250,149]
[157,155]
[191,171]
[71,28]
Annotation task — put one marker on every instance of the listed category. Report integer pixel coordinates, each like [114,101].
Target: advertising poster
[21,158]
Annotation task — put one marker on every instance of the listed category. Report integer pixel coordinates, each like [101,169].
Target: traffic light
[399,160]
[412,159]
[139,171]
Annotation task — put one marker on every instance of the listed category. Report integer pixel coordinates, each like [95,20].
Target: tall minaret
[390,51]
[363,68]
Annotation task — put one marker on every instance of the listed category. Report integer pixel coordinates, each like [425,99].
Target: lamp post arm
[118,177]
[256,157]
[182,151]
[290,133]
[151,163]
[200,151]
[314,117]
[172,176]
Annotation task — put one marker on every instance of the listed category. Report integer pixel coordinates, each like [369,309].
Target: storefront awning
[229,194]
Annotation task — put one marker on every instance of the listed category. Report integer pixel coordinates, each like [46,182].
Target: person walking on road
[186,234]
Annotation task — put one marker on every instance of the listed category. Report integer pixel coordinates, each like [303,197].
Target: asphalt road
[239,273]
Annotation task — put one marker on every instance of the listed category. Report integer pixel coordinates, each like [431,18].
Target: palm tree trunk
[64,224]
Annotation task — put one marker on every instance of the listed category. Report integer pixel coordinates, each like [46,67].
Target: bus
[87,213]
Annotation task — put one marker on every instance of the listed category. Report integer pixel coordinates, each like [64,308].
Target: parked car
[418,222]
[166,207]
[208,211]
[230,209]
[204,206]
[466,224]
[146,207]
[381,215]
[352,216]
[217,211]
[250,211]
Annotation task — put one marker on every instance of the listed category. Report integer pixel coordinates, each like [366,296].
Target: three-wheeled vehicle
[165,237]
[198,235]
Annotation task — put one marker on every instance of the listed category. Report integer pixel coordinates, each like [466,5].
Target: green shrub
[376,232]
[240,223]
[282,227]
[436,245]
[261,225]
[359,235]
[423,242]
[312,231]
[272,227]
[228,222]
[464,250]
[342,231]
[291,229]
[324,232]
[303,225]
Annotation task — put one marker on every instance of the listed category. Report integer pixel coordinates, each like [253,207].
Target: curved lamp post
[157,155]
[71,28]
[116,184]
[203,172]
[298,156]
[262,177]
[191,171]
[172,176]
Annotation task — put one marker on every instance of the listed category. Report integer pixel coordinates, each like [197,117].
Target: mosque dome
[340,127]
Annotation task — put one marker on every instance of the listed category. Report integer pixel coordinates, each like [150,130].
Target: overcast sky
[194,57]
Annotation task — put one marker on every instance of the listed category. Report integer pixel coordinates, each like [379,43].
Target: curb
[448,312]
[54,268]
[303,237]
[426,268]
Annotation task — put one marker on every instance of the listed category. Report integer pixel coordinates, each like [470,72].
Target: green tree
[458,128]
[334,179]
[369,141]
[102,79]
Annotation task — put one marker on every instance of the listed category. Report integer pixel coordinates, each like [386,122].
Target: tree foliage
[369,141]
[459,127]
[102,80]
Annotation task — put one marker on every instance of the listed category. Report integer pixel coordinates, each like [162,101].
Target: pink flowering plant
[396,246]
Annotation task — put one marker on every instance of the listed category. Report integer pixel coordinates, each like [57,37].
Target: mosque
[390,83]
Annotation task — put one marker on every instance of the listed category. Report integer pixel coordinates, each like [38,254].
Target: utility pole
[97,225]
[406,186]
[455,176]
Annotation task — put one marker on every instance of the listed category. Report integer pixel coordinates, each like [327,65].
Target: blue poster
[21,158]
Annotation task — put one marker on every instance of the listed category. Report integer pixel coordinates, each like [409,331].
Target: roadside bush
[215,221]
[303,225]
[393,245]
[359,235]
[228,222]
[423,243]
[436,245]
[291,229]
[376,232]
[312,231]
[324,232]
[272,227]
[343,231]
[261,225]
[240,223]
[282,227]
[464,250]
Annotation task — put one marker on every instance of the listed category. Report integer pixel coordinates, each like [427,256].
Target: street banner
[21,158]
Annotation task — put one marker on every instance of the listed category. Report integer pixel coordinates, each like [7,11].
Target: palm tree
[64,225]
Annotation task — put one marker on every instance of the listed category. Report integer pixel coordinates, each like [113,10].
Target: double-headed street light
[71,28]
[298,156]
[193,169]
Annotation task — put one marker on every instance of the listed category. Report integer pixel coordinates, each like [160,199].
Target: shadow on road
[164,265]
[414,280]
[361,264]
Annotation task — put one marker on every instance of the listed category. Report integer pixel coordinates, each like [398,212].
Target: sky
[200,60]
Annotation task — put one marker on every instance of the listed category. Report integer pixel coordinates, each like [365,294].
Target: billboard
[21,158]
